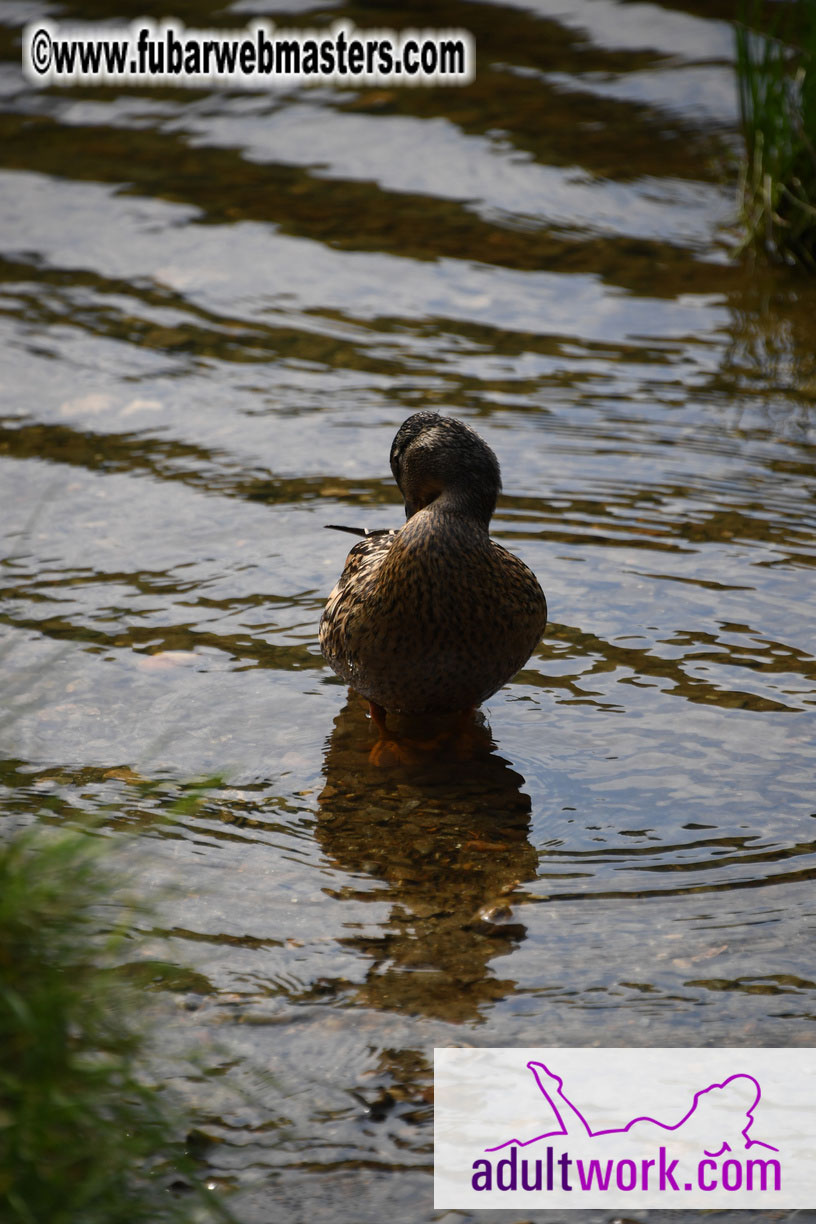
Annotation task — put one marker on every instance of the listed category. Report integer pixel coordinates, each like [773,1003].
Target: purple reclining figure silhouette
[703,1115]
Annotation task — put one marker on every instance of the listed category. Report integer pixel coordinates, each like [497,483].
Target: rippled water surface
[217,307]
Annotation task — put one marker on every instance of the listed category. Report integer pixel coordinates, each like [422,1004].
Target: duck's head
[432,456]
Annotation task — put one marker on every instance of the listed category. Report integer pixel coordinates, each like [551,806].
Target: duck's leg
[378,715]
[392,749]
[470,739]
[389,749]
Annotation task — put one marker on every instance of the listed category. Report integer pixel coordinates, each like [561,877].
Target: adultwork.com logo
[638,1128]
[715,1112]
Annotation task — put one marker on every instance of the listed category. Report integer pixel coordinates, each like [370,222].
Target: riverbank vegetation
[85,1137]
[777,100]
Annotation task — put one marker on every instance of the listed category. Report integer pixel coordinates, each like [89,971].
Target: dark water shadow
[449,840]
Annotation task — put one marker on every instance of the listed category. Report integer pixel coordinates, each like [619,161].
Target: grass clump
[776,74]
[83,1138]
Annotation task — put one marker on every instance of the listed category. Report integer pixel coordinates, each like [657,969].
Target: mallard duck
[434,617]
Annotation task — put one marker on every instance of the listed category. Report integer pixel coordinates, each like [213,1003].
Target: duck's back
[432,618]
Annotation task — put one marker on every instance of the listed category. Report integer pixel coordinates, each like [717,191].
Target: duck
[434,617]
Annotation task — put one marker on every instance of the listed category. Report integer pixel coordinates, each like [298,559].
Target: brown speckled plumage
[434,617]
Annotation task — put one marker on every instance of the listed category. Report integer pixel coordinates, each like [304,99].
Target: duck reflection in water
[433,618]
[448,839]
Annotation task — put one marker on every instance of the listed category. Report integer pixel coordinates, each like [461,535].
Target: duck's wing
[363,557]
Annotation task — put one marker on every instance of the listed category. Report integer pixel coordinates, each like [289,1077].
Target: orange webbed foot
[463,739]
[393,751]
[389,748]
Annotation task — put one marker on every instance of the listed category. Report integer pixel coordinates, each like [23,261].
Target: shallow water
[217,308]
